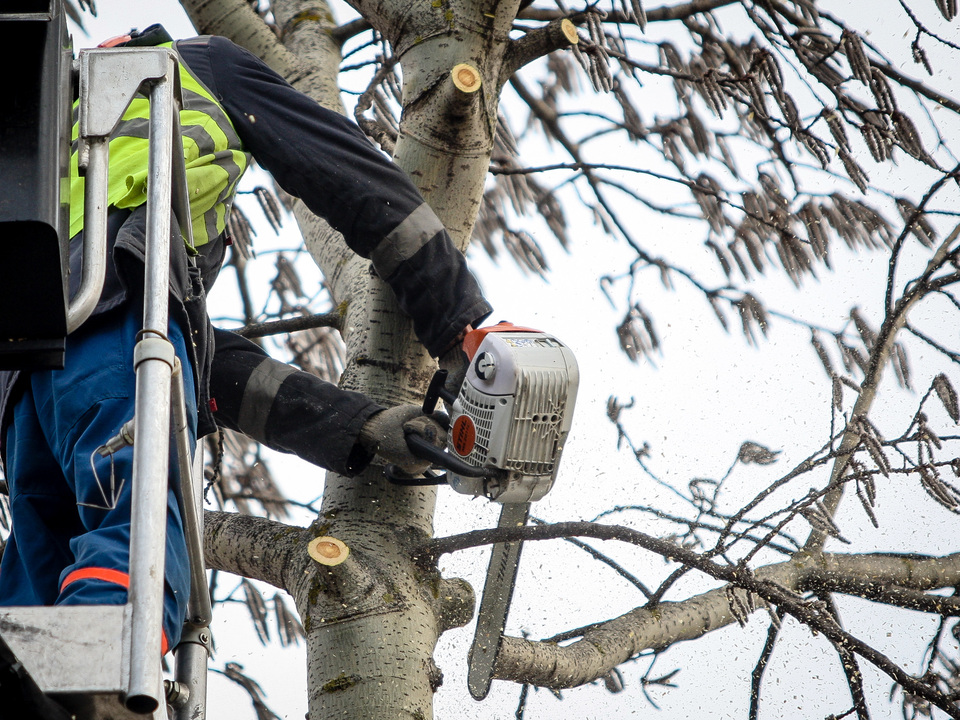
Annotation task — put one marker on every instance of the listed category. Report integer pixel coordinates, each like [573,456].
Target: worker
[69,542]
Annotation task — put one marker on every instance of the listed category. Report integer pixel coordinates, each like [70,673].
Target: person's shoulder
[210,43]
[218,52]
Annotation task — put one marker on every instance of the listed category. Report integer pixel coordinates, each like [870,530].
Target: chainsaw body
[513,413]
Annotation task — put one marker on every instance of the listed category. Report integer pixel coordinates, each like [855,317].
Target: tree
[751,131]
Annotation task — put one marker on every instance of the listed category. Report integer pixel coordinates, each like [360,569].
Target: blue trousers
[60,551]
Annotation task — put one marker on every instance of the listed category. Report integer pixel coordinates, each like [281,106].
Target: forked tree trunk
[373,622]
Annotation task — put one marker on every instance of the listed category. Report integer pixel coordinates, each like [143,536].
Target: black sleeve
[324,159]
[287,409]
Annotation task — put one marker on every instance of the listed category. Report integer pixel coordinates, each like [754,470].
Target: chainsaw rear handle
[426,450]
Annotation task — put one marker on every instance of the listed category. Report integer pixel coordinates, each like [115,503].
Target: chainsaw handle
[436,391]
[399,477]
[426,450]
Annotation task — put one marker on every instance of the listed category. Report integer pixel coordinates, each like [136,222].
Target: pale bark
[372,623]
[613,642]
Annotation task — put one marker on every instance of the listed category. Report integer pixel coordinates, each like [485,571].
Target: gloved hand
[385,435]
[455,362]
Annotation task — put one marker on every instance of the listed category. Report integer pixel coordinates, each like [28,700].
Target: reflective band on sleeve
[116,577]
[417,229]
[258,395]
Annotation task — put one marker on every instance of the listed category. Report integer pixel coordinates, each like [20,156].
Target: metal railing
[109,80]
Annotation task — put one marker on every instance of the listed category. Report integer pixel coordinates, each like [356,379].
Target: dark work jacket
[324,159]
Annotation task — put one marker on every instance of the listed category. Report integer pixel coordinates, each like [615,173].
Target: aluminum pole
[94,259]
[199,612]
[152,419]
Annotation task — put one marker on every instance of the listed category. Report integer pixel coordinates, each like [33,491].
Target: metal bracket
[117,74]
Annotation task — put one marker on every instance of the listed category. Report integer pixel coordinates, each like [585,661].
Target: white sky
[710,392]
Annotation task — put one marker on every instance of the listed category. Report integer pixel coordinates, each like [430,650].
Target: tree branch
[660,14]
[254,547]
[886,338]
[289,325]
[622,638]
[557,34]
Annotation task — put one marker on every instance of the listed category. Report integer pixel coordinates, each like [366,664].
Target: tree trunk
[372,623]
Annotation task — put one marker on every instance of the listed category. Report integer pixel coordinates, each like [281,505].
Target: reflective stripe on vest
[214,157]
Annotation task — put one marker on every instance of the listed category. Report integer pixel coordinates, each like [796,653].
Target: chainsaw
[507,428]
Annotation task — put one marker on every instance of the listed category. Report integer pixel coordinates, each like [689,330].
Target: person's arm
[324,159]
[287,409]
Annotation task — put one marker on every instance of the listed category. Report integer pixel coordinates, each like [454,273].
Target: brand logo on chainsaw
[463,435]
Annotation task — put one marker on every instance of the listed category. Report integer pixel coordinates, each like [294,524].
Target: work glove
[455,362]
[384,434]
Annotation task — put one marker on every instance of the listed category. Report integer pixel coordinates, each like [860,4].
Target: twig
[289,325]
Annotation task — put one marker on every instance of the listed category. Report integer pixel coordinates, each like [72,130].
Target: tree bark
[372,622]
[611,643]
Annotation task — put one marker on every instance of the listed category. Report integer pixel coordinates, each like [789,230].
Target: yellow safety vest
[213,153]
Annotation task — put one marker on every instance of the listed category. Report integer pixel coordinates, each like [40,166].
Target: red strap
[109,575]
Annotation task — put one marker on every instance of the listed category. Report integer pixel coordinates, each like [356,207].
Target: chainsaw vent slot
[536,432]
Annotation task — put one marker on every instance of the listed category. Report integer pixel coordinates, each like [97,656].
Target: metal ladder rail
[159,382]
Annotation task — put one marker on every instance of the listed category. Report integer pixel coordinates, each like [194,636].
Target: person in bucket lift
[67,545]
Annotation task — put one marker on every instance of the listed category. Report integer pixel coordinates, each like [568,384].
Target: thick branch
[557,34]
[612,643]
[238,21]
[254,547]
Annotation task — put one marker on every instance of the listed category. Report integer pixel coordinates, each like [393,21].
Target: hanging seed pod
[948,8]
[270,207]
[701,136]
[258,610]
[639,14]
[733,249]
[827,365]
[854,171]
[948,396]
[815,146]
[867,334]
[752,315]
[711,92]
[837,129]
[876,140]
[817,234]
[881,91]
[750,233]
[241,232]
[919,225]
[771,72]
[920,55]
[706,194]
[721,257]
[907,136]
[853,49]
[758,102]
[635,128]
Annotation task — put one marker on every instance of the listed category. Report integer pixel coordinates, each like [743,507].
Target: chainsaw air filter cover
[513,412]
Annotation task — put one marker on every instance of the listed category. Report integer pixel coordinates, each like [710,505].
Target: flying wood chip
[328,550]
